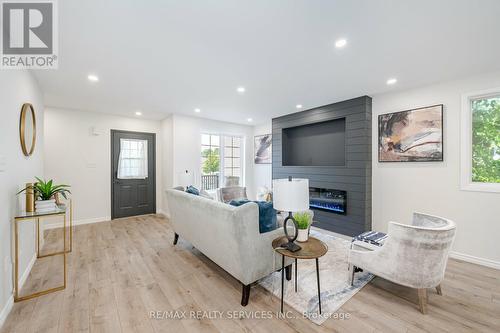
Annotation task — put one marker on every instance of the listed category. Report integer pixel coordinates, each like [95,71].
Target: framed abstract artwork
[411,136]
[263,149]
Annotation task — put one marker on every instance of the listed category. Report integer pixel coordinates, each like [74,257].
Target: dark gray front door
[133,183]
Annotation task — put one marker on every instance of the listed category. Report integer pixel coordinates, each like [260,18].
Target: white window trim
[466,182]
[221,152]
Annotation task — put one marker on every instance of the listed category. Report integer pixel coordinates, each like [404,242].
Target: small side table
[25,216]
[312,249]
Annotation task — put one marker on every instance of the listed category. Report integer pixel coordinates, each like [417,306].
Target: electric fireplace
[334,201]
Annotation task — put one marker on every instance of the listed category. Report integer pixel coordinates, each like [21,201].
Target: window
[133,159]
[481,141]
[232,157]
[221,157]
[210,161]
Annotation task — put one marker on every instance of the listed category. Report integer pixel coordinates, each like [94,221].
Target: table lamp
[291,195]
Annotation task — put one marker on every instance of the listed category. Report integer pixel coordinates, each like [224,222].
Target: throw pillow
[205,194]
[267,214]
[193,190]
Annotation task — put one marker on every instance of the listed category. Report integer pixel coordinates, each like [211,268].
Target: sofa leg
[439,291]
[176,238]
[288,271]
[245,295]
[353,268]
[422,300]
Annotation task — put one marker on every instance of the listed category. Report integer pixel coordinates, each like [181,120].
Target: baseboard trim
[10,301]
[475,260]
[6,310]
[161,212]
[58,224]
[27,271]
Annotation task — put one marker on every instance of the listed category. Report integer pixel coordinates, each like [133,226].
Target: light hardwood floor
[121,270]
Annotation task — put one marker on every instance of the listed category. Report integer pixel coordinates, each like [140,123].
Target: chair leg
[353,268]
[176,238]
[422,300]
[439,291]
[288,272]
[245,295]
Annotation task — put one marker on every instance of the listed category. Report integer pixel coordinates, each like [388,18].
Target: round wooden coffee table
[312,249]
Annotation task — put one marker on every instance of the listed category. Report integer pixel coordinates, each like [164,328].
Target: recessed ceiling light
[249,120]
[340,43]
[138,113]
[241,90]
[298,106]
[392,81]
[92,78]
[197,110]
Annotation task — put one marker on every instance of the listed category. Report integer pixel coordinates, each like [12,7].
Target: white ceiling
[167,57]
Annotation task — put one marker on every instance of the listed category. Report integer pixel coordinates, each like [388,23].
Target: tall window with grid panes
[221,160]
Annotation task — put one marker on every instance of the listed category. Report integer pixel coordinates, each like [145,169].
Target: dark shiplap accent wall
[354,177]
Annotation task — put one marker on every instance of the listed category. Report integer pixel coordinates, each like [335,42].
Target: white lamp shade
[291,196]
[185,178]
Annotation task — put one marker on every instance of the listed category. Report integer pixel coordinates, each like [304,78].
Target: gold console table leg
[16,264]
[70,235]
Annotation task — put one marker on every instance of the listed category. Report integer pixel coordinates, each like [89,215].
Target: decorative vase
[303,235]
[30,198]
[43,206]
[58,199]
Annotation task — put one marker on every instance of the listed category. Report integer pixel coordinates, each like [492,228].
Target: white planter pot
[45,205]
[303,235]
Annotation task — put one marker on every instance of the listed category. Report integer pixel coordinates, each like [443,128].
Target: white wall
[263,173]
[16,87]
[186,147]
[401,188]
[74,156]
[167,159]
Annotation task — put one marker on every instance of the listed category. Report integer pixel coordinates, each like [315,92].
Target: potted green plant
[303,222]
[45,192]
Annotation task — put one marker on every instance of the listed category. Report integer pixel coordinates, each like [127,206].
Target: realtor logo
[29,36]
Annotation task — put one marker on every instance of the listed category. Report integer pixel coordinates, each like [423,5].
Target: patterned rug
[334,279]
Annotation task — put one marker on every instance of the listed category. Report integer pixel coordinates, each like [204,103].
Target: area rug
[334,278]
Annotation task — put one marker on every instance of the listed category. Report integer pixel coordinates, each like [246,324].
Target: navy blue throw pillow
[267,214]
[193,190]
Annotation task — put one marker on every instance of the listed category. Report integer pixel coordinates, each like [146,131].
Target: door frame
[112,153]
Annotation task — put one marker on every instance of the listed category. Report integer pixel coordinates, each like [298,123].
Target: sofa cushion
[193,190]
[267,214]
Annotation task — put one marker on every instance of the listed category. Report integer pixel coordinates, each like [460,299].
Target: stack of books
[372,237]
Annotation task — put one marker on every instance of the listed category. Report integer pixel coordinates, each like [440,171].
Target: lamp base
[292,247]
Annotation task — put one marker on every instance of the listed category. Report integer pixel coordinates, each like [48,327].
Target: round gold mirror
[27,129]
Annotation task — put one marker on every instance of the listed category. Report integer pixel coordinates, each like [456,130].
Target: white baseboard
[10,301]
[58,224]
[161,212]
[27,271]
[6,310]
[475,260]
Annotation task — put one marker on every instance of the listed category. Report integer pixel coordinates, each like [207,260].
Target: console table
[27,216]
[312,249]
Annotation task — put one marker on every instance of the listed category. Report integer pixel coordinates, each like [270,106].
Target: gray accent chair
[226,194]
[227,235]
[232,181]
[413,255]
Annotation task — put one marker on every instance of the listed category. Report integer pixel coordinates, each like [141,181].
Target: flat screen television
[318,144]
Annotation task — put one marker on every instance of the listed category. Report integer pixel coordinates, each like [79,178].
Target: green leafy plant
[486,140]
[211,163]
[45,190]
[303,220]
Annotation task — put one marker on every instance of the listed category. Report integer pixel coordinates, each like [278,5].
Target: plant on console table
[303,223]
[45,193]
